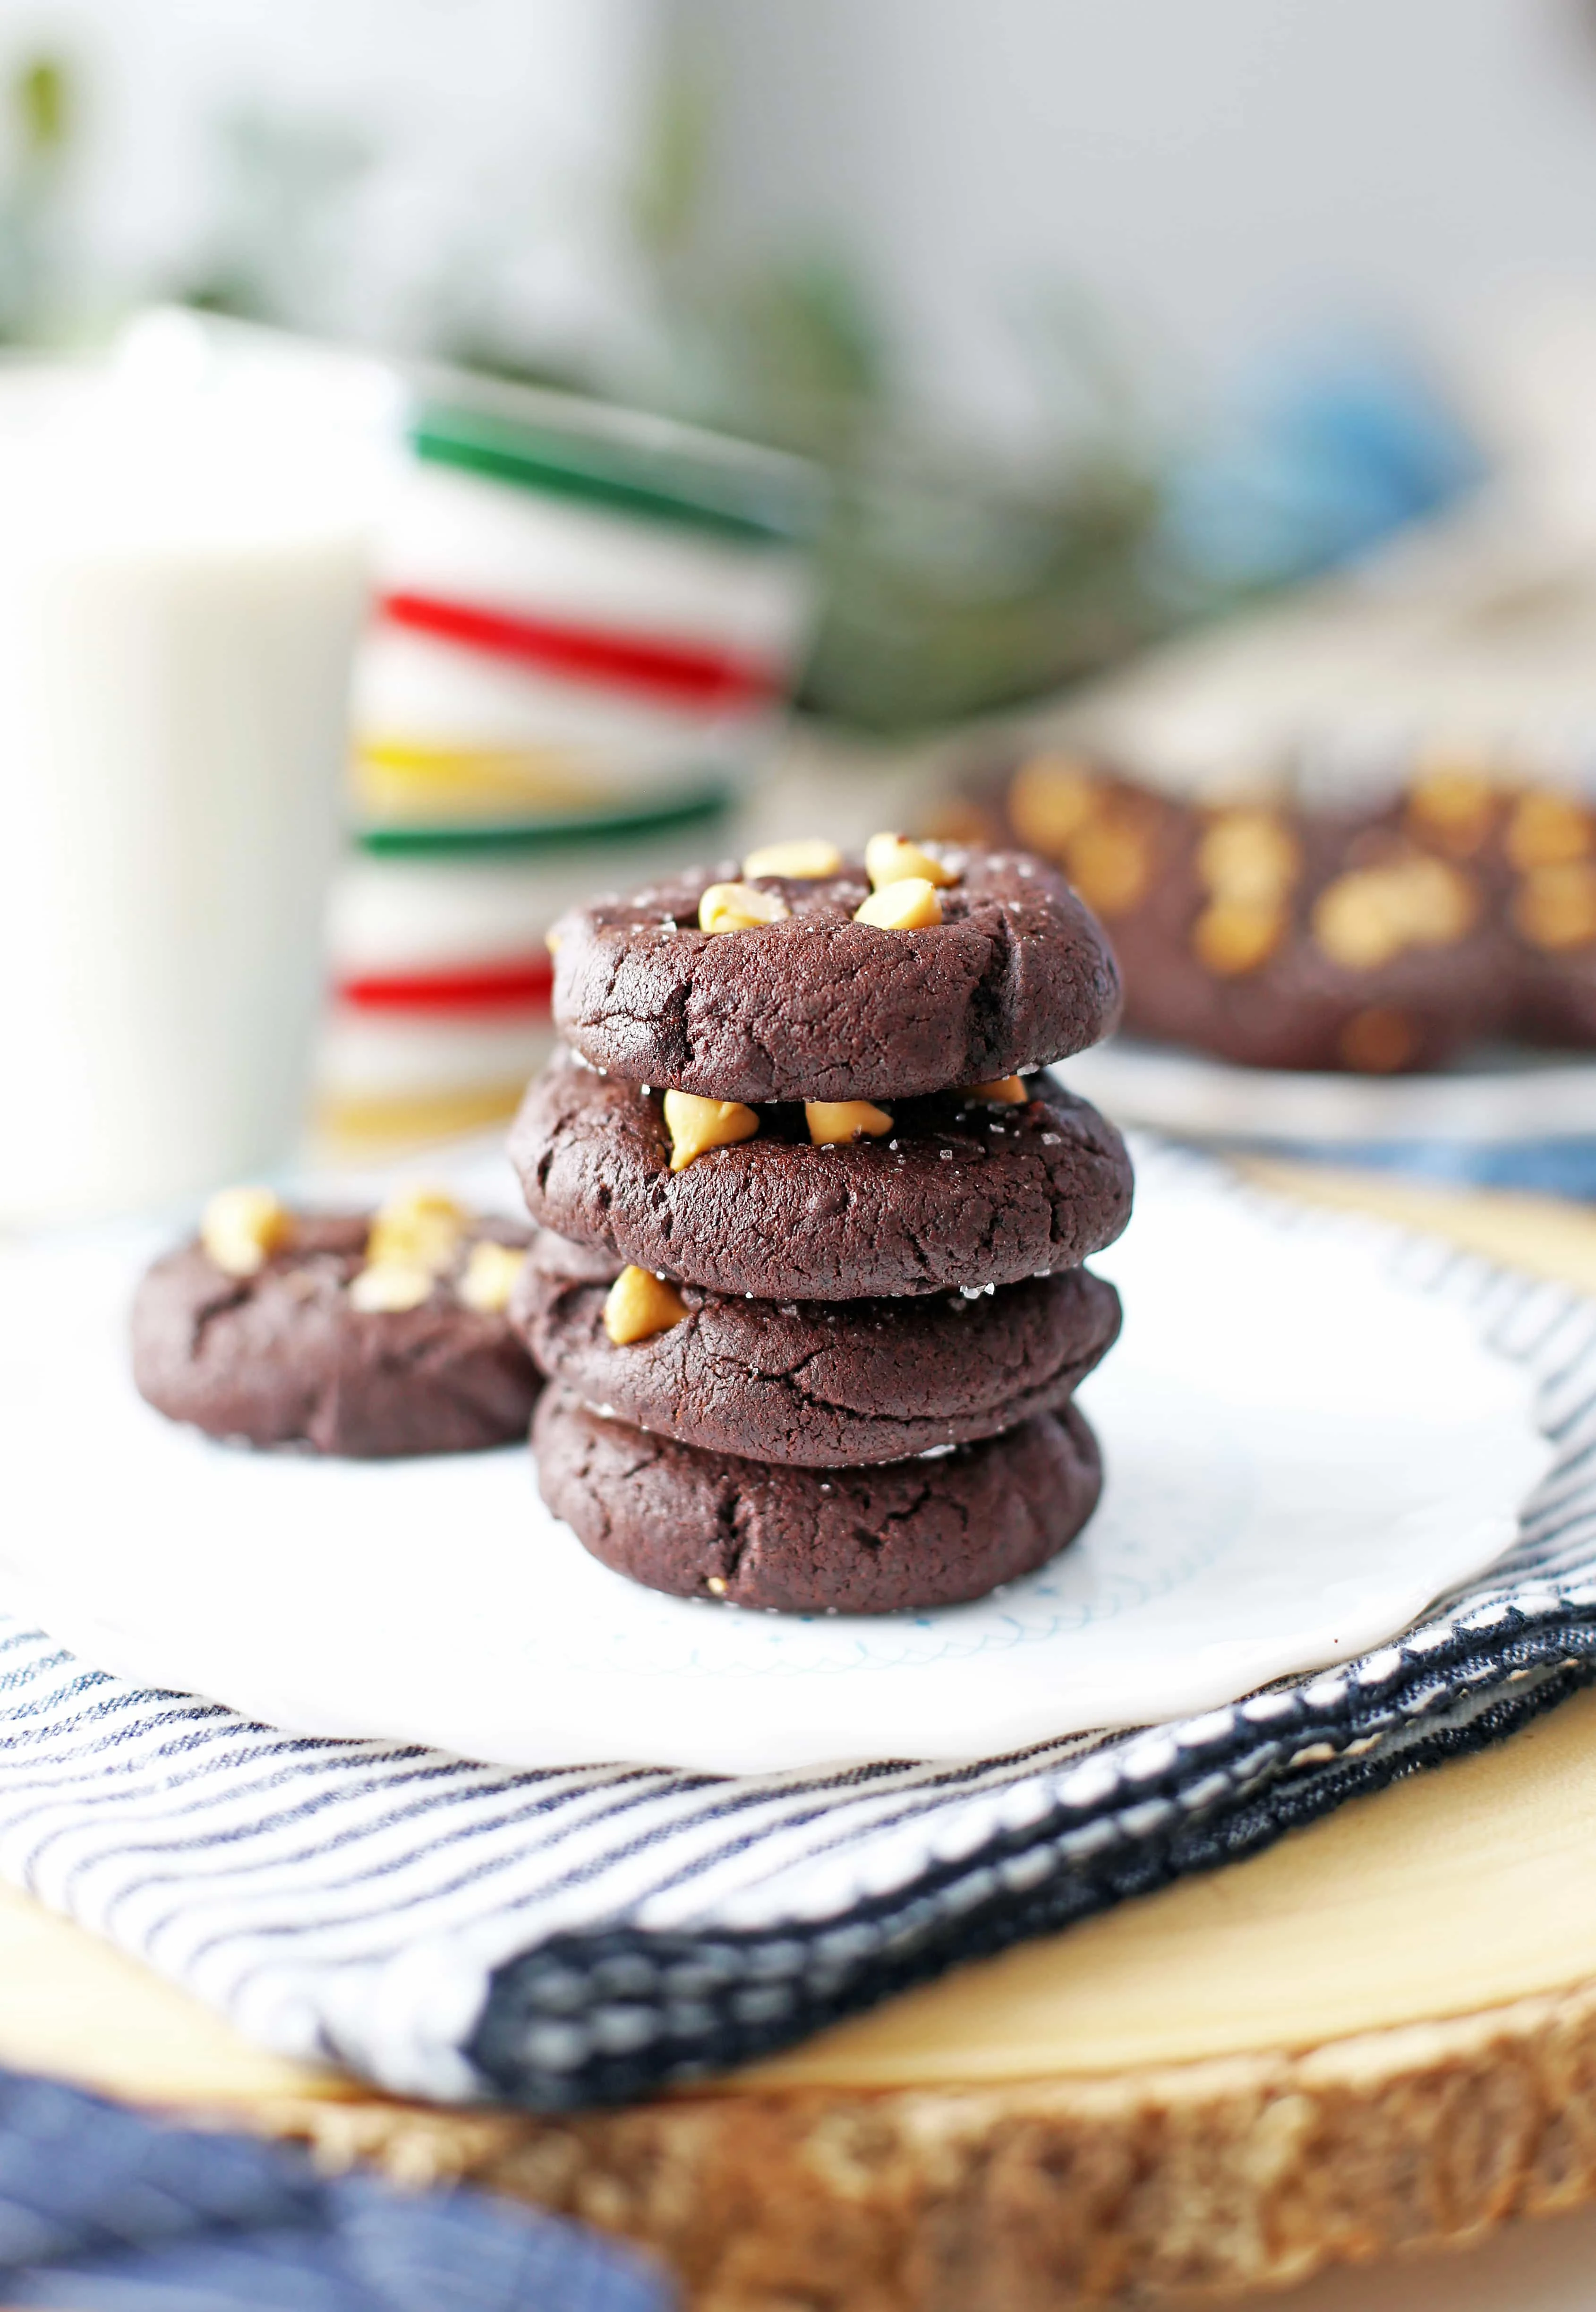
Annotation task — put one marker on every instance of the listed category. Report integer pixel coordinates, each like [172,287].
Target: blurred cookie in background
[1379,933]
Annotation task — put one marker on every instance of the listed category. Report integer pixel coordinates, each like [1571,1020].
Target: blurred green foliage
[954,581]
[284,186]
[38,129]
[43,99]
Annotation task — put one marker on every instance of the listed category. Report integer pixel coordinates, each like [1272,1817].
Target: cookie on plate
[1455,909]
[930,1196]
[1543,844]
[348,1333]
[905,1535]
[914,968]
[807,1382]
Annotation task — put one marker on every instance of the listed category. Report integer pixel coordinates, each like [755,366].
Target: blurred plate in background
[1514,1118]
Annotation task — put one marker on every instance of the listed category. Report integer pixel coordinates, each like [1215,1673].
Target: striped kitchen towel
[575,1936]
[141,2217]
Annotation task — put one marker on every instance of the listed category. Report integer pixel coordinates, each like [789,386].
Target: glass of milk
[182,580]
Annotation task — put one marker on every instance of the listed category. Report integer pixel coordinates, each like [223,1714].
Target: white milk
[179,598]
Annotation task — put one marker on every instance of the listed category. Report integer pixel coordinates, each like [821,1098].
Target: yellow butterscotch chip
[1453,805]
[807,860]
[1249,857]
[489,1276]
[1377,1042]
[697,1126]
[1232,936]
[1367,918]
[1549,830]
[1436,904]
[911,905]
[553,941]
[1555,907]
[387,1287]
[1003,1092]
[419,1228]
[639,1305]
[1050,798]
[834,1122]
[739,907]
[241,1228]
[894,859]
[1110,864]
[1354,924]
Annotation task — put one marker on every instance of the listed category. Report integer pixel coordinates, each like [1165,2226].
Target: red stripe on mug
[676,670]
[524,984]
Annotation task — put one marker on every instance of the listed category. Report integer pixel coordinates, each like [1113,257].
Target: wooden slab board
[1380,2034]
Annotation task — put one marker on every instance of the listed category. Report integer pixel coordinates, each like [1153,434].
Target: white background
[1222,176]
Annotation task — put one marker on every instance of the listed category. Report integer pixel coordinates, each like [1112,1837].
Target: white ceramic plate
[1499,1100]
[1302,1452]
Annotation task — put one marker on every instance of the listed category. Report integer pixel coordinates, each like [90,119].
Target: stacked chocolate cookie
[809,1289]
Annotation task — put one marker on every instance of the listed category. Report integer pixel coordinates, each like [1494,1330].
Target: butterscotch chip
[1110,864]
[1433,903]
[241,1228]
[910,905]
[1232,936]
[1454,806]
[1555,907]
[550,940]
[832,1122]
[894,859]
[807,860]
[1008,1091]
[739,907]
[1365,918]
[489,1275]
[1354,922]
[1549,830]
[388,1286]
[1251,857]
[1377,1042]
[1050,798]
[418,1228]
[639,1305]
[697,1126]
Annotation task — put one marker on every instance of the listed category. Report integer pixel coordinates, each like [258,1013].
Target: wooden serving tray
[1380,2033]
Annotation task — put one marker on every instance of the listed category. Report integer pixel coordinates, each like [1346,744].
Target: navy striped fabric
[456,1930]
[102,2211]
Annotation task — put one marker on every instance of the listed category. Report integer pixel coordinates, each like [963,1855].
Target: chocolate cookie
[817,1006]
[1454,909]
[284,1356]
[1278,936]
[956,1193]
[935,1531]
[1335,992]
[815,1382]
[1542,844]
